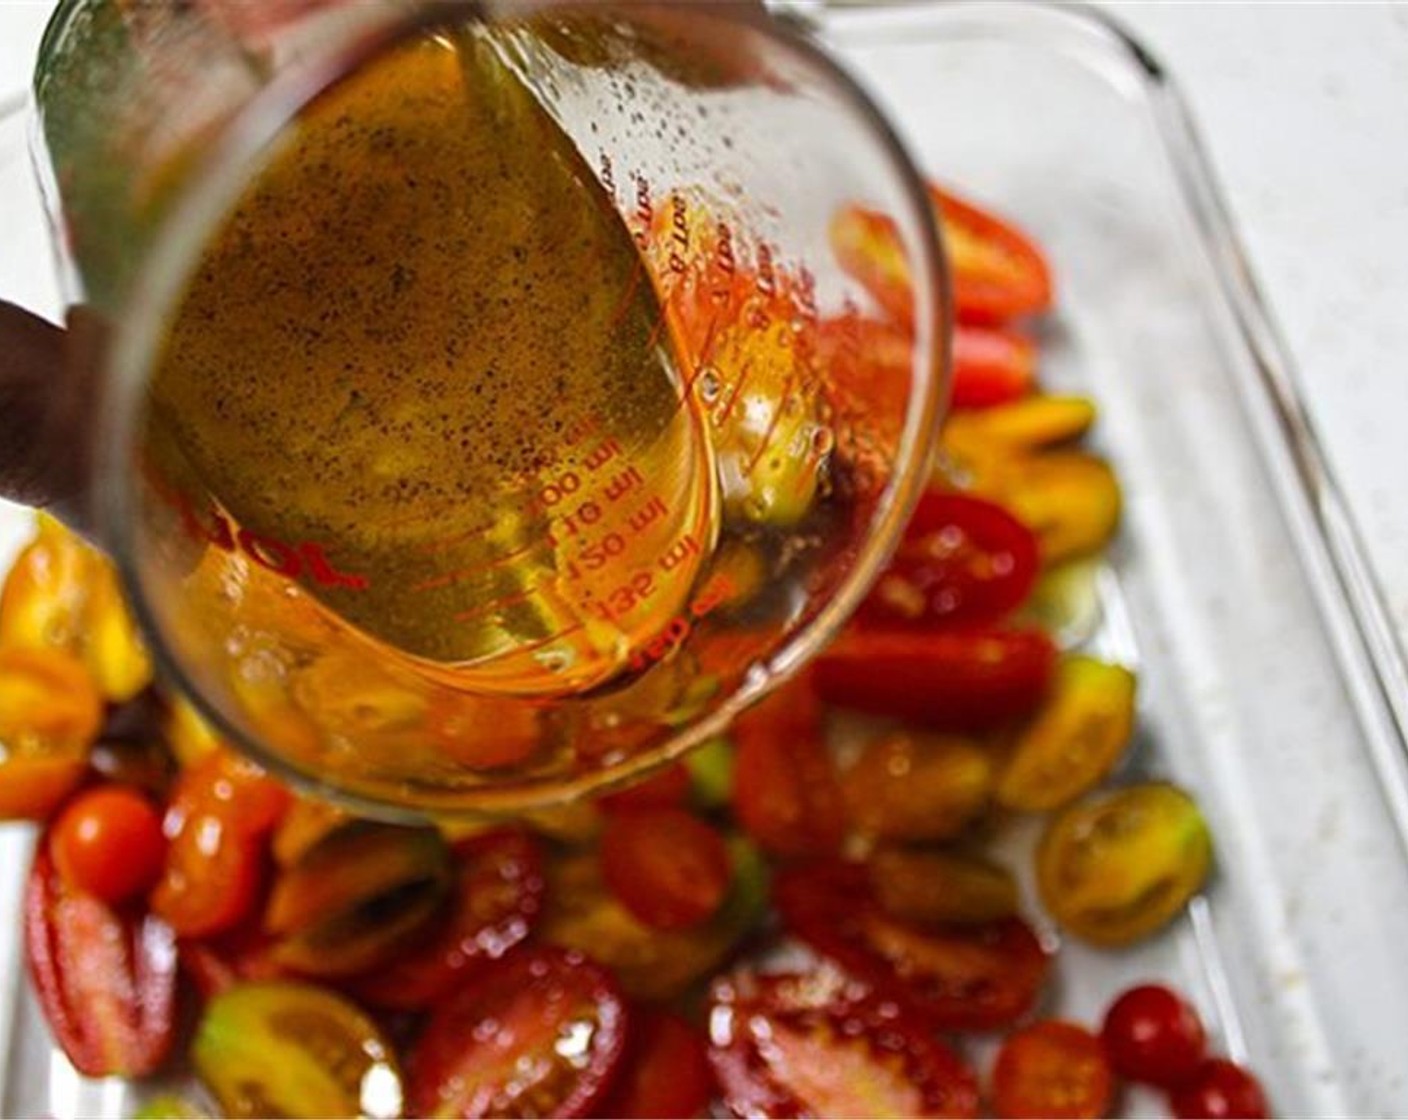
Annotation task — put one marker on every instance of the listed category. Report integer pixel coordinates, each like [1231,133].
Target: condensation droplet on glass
[710,385]
[823,440]
[554,660]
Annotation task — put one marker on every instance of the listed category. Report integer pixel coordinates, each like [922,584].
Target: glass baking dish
[1272,683]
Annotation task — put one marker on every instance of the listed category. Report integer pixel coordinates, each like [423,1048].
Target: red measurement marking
[496,604]
[783,400]
[529,647]
[743,376]
[460,574]
[442,543]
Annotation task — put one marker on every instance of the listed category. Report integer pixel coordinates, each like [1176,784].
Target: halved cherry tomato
[964,561]
[1052,1069]
[818,1044]
[235,956]
[669,868]
[290,1049]
[998,272]
[666,1071]
[1116,867]
[50,712]
[539,1033]
[1074,741]
[972,681]
[108,842]
[958,977]
[991,366]
[932,886]
[911,786]
[106,980]
[45,595]
[221,812]
[1220,1090]
[785,792]
[497,902]
[650,964]
[1152,1034]
[667,788]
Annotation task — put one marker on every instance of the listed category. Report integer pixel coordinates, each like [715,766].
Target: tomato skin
[1052,1069]
[667,788]
[668,868]
[964,561]
[105,979]
[1220,1090]
[497,903]
[459,1069]
[976,976]
[998,272]
[970,681]
[785,790]
[1152,1034]
[991,366]
[826,1026]
[666,1073]
[108,842]
[222,810]
[50,713]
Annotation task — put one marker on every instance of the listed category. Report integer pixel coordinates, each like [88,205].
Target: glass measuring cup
[482,418]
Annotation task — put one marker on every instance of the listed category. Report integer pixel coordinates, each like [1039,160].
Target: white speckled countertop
[1301,105]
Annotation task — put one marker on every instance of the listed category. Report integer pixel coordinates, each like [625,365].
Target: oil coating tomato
[1052,1069]
[1152,1034]
[539,1033]
[963,561]
[818,1044]
[975,976]
[666,1071]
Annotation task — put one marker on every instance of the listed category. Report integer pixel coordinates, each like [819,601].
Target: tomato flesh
[108,842]
[1220,1090]
[105,980]
[964,561]
[666,1072]
[970,681]
[50,712]
[498,899]
[991,367]
[669,868]
[1152,1034]
[1052,1069]
[821,1045]
[539,1033]
[998,272]
[975,976]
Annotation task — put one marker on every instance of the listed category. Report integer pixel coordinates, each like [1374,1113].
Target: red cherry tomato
[106,981]
[991,366]
[1220,1090]
[539,1033]
[496,905]
[964,561]
[998,271]
[668,868]
[976,976]
[817,1044]
[221,812]
[1052,1069]
[785,792]
[667,788]
[972,681]
[1153,1035]
[666,1071]
[107,841]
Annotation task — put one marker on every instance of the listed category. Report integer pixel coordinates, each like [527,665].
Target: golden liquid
[423,347]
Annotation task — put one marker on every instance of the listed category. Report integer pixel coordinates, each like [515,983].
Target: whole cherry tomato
[1052,1069]
[1220,1090]
[108,842]
[669,868]
[1152,1034]
[964,561]
[973,681]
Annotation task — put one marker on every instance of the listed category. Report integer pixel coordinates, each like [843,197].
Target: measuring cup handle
[47,388]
